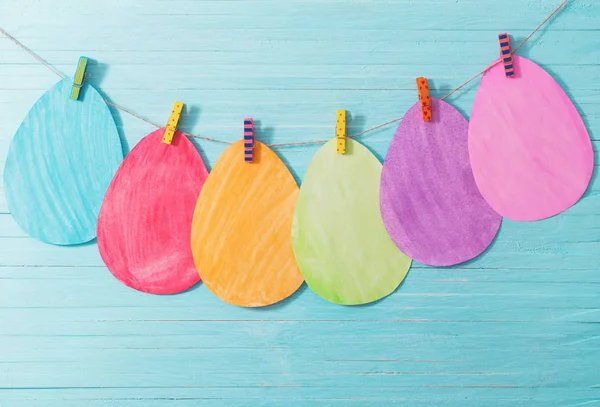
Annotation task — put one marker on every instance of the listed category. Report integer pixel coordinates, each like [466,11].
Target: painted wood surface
[530,151]
[145,221]
[341,246]
[241,234]
[60,162]
[430,204]
[516,327]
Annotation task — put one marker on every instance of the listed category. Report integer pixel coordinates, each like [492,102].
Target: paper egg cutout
[241,238]
[340,243]
[145,221]
[530,151]
[60,163]
[430,204]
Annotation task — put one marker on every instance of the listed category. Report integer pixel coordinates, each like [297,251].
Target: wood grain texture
[515,327]
[241,232]
[60,162]
[145,221]
[430,204]
[340,244]
[530,151]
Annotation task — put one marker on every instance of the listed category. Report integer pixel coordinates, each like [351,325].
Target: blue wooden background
[519,326]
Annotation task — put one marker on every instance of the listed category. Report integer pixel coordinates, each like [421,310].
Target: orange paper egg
[241,231]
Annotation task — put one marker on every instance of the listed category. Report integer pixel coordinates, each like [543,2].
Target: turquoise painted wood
[59,165]
[518,326]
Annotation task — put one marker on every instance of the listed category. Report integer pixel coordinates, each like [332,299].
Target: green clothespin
[78,81]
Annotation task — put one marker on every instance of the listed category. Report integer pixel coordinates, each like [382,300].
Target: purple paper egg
[429,201]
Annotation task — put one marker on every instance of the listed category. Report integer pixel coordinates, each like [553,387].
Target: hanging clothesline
[295,143]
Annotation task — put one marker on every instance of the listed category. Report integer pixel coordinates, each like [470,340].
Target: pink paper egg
[530,152]
[145,222]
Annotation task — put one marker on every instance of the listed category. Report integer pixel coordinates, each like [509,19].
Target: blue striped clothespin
[248,139]
[506,54]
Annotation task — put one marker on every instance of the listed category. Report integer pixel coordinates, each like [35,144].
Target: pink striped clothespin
[506,55]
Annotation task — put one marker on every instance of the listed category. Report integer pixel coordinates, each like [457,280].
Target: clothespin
[340,132]
[79,75]
[423,89]
[506,55]
[248,139]
[172,123]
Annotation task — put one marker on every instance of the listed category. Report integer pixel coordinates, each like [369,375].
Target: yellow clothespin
[340,132]
[78,80]
[172,123]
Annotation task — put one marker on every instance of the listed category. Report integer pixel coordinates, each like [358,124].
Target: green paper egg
[339,240]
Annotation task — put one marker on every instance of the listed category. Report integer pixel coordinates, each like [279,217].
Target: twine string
[296,143]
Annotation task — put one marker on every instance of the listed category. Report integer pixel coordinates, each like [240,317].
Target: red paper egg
[145,221]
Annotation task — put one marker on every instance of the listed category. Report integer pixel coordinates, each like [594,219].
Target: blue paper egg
[60,163]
